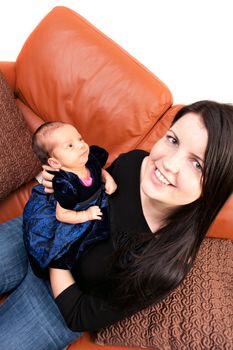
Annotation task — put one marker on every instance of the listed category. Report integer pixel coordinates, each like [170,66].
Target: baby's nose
[81,145]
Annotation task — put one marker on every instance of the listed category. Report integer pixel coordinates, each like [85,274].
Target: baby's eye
[171,139]
[70,145]
[197,165]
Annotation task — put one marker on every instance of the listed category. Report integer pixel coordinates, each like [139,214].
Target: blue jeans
[29,318]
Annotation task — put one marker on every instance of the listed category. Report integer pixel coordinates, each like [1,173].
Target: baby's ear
[54,163]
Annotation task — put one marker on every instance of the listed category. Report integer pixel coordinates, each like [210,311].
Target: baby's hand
[110,186]
[94,213]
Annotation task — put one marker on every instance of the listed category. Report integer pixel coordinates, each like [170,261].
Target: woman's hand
[47,178]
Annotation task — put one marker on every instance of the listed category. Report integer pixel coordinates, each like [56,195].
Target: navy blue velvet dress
[48,241]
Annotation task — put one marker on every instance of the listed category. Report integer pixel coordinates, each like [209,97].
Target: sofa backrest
[68,70]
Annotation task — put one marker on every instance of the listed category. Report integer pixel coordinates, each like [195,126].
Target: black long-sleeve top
[80,307]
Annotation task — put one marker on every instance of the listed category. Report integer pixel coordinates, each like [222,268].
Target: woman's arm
[82,312]
[60,280]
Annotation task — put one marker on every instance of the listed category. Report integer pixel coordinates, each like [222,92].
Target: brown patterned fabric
[18,163]
[197,316]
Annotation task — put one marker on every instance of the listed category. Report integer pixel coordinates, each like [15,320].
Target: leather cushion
[18,163]
[68,70]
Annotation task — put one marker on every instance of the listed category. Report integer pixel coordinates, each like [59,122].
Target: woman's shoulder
[134,156]
[128,161]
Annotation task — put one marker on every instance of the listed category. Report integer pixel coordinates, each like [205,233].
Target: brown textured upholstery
[18,162]
[68,70]
[8,68]
[198,315]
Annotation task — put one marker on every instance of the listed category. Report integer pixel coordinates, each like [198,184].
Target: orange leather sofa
[68,70]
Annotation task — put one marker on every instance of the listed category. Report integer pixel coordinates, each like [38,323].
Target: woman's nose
[172,164]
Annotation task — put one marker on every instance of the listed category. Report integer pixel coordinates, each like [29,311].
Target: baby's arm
[77,217]
[110,185]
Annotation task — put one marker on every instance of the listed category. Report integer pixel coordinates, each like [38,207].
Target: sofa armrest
[13,205]
[86,342]
[8,69]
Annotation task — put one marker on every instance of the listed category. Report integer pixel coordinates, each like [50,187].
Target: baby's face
[68,147]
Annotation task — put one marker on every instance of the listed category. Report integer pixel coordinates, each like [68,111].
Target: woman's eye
[197,165]
[171,139]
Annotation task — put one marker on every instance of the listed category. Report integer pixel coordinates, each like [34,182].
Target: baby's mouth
[83,153]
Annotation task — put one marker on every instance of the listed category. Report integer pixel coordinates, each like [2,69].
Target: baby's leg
[13,257]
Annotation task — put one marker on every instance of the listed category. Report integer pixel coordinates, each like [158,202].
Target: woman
[160,213]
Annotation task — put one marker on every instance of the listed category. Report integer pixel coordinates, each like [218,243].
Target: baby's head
[60,145]
[42,140]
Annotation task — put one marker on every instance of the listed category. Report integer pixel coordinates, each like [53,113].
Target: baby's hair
[40,148]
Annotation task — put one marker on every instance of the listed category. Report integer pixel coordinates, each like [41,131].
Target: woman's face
[173,172]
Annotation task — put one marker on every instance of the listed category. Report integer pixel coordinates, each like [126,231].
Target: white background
[188,44]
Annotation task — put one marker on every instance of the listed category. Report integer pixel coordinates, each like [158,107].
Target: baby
[51,234]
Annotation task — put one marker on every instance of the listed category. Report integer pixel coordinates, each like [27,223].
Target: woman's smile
[161,178]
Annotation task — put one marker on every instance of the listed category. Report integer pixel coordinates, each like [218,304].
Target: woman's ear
[54,163]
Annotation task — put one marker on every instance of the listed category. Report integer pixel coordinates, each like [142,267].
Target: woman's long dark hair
[146,268]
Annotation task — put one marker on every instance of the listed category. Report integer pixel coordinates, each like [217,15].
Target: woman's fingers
[48,186]
[47,178]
